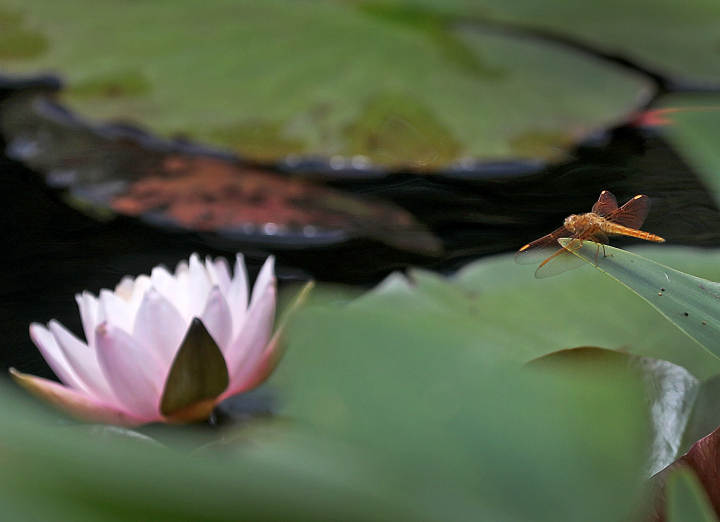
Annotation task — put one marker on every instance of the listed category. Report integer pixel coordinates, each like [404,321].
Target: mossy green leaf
[322,77]
[685,48]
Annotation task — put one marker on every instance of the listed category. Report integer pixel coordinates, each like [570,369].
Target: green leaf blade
[690,303]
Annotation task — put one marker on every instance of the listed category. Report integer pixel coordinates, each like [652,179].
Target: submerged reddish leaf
[179,184]
[209,194]
[663,117]
[704,460]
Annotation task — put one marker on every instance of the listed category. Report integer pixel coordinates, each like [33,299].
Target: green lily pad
[671,393]
[477,436]
[54,473]
[449,345]
[675,38]
[268,79]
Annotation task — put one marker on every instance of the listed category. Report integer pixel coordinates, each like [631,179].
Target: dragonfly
[604,220]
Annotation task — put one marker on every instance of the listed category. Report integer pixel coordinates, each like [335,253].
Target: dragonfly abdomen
[620,230]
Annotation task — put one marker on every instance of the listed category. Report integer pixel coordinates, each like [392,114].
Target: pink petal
[217,320]
[134,373]
[219,273]
[237,296]
[159,327]
[89,314]
[254,374]
[272,352]
[83,361]
[199,286]
[75,403]
[53,355]
[246,351]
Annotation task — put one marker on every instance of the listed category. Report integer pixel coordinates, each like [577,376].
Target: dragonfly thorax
[582,223]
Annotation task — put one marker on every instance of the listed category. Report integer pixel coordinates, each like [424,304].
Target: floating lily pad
[17,40]
[213,195]
[325,78]
[670,390]
[679,39]
[426,390]
[486,319]
[117,169]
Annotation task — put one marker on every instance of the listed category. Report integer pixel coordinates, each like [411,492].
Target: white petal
[115,310]
[135,374]
[199,286]
[217,320]
[142,284]
[83,361]
[124,288]
[183,300]
[219,272]
[265,278]
[159,327]
[165,283]
[247,349]
[53,355]
[89,314]
[237,295]
[181,268]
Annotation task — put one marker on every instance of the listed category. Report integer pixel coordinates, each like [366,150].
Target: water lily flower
[162,348]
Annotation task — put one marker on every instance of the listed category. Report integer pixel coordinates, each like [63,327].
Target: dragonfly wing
[633,213]
[561,261]
[606,204]
[540,249]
